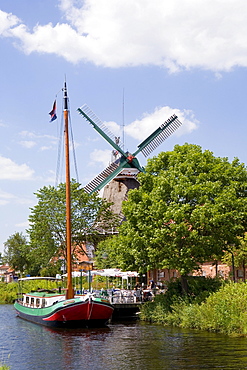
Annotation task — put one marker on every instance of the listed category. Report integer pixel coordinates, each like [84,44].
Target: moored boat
[51,308]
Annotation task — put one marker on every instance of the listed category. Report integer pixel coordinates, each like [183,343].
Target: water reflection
[119,346]
[92,333]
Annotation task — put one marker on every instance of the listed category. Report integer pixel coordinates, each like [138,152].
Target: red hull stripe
[82,311]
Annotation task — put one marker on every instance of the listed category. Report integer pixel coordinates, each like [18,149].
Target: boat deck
[127,303]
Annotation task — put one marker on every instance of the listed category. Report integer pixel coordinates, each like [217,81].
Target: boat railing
[121,296]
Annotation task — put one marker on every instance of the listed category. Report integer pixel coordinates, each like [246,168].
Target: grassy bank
[8,292]
[223,311]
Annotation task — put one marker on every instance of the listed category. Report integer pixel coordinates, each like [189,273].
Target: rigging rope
[60,149]
[73,147]
[60,165]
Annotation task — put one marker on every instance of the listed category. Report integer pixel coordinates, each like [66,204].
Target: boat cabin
[41,300]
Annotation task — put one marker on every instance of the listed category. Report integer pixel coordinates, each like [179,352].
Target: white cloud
[173,34]
[113,127]
[10,170]
[32,135]
[22,224]
[3,202]
[2,124]
[142,128]
[43,148]
[101,156]
[5,197]
[28,144]
[7,21]
[45,142]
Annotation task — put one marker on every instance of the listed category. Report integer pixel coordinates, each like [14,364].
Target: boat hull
[68,314]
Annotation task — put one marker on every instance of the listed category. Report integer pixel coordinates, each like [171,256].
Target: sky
[134,63]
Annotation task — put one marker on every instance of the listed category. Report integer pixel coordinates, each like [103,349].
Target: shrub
[223,311]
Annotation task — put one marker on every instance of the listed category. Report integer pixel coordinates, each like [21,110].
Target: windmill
[124,169]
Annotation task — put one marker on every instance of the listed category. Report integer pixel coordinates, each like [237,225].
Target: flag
[53,112]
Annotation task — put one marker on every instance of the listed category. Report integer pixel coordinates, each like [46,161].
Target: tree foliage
[236,255]
[16,252]
[189,207]
[90,219]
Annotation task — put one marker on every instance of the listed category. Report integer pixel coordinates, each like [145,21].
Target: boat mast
[70,291]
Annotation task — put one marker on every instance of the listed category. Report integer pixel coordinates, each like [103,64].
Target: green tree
[91,219]
[16,252]
[190,205]
[236,256]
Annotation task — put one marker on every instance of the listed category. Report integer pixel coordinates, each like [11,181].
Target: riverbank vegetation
[8,292]
[222,309]
[4,367]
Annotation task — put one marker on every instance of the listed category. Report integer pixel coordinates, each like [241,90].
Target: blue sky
[184,57]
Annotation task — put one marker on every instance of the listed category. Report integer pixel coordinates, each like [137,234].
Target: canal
[27,346]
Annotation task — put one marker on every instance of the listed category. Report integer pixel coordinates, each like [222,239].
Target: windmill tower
[116,191]
[121,175]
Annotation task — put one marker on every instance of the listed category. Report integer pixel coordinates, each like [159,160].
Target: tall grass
[223,311]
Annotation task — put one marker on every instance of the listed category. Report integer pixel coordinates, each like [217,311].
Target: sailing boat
[54,309]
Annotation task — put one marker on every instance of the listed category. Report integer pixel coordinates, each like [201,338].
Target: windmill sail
[104,177]
[159,135]
[99,126]
[127,160]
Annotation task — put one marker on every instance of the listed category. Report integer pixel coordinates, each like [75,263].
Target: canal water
[27,346]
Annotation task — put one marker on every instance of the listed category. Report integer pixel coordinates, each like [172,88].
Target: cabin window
[43,302]
[37,302]
[27,300]
[32,301]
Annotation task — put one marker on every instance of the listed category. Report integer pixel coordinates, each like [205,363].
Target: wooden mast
[70,291]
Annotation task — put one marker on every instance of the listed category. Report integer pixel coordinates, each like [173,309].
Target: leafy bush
[173,300]
[199,288]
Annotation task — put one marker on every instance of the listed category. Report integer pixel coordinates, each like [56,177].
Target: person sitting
[151,285]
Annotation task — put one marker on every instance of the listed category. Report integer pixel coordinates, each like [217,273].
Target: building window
[240,273]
